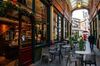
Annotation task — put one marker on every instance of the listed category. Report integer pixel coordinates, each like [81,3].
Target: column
[51,23]
[98,32]
[97,27]
[32,18]
[64,28]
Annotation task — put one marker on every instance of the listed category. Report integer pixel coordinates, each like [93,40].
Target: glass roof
[75,2]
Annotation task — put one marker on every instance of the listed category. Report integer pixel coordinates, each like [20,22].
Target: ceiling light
[79,4]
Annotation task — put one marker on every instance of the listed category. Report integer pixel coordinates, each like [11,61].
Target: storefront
[95,25]
[9,47]
[40,28]
[16,32]
[26,27]
[40,22]
[25,42]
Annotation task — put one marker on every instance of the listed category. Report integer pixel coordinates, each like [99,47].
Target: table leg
[81,60]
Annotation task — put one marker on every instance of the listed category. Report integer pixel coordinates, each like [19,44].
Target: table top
[53,47]
[82,52]
[60,43]
[66,46]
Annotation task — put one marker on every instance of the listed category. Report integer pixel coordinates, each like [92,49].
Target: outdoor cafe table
[66,46]
[60,43]
[83,53]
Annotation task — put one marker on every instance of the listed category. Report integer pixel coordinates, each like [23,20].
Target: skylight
[75,2]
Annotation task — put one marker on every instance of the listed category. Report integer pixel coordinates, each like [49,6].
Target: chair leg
[75,63]
[85,64]
[95,64]
[60,57]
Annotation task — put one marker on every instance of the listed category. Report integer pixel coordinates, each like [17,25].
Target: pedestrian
[91,40]
[84,37]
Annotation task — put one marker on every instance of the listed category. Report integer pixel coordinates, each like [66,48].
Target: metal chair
[56,52]
[90,59]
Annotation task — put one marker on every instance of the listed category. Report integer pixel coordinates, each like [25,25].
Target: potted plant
[71,42]
[81,44]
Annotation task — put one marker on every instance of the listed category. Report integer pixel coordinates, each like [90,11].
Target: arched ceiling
[90,5]
[74,3]
[77,4]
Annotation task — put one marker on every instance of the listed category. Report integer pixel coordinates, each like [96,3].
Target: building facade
[31,25]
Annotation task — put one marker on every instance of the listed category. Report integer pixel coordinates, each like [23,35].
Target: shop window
[8,40]
[59,27]
[55,26]
[26,32]
[66,29]
[7,31]
[40,22]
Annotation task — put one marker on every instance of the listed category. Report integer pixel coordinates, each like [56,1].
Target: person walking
[91,40]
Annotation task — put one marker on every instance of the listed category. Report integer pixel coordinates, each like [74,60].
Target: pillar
[64,28]
[51,23]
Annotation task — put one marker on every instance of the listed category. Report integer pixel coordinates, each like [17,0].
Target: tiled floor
[63,61]
[98,60]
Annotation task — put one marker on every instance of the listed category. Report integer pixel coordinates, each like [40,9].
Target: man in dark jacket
[91,40]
